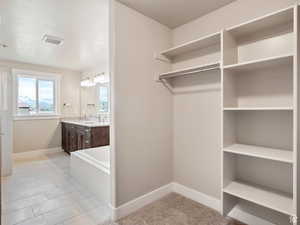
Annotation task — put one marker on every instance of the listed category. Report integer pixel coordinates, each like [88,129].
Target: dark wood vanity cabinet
[77,137]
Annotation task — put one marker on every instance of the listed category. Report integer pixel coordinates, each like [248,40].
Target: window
[103,98]
[36,93]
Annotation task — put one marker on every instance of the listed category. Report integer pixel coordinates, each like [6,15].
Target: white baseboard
[197,196]
[140,202]
[209,201]
[36,153]
[113,214]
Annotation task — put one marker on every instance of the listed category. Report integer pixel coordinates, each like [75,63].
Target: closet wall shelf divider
[280,155]
[266,197]
[204,42]
[261,63]
[190,70]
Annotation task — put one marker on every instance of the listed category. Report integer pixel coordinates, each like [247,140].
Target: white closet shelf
[203,42]
[266,22]
[258,108]
[261,152]
[190,70]
[266,197]
[261,63]
[209,87]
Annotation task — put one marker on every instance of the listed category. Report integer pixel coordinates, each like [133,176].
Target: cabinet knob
[87,142]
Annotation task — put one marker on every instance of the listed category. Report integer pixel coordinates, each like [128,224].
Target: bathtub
[91,168]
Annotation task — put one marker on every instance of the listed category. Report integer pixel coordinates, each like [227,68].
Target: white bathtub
[91,168]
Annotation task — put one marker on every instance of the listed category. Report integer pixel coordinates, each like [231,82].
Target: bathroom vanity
[78,135]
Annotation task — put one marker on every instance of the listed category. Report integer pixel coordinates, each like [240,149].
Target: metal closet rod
[188,73]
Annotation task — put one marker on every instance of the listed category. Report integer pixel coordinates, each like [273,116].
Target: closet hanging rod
[187,72]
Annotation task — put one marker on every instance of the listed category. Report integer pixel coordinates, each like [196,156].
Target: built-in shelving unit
[283,60]
[259,113]
[278,201]
[265,23]
[257,63]
[190,70]
[204,42]
[195,69]
[261,152]
[276,27]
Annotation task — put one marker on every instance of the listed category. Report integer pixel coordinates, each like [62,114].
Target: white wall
[30,135]
[197,157]
[142,107]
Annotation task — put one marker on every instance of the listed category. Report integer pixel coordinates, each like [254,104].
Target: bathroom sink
[89,122]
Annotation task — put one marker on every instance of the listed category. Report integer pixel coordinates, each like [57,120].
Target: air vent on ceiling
[52,39]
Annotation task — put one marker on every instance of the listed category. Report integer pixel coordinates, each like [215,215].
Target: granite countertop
[86,123]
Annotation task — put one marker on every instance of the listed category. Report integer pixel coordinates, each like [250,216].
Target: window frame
[56,78]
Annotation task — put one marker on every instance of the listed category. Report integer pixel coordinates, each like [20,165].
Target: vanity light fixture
[101,78]
[87,83]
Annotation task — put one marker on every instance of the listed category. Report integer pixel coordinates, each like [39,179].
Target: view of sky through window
[46,96]
[27,94]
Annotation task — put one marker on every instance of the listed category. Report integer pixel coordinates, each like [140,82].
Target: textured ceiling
[83,24]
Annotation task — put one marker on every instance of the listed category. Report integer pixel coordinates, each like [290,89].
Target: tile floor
[43,192]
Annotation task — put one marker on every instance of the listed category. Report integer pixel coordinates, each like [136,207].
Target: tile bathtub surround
[43,192]
[175,209]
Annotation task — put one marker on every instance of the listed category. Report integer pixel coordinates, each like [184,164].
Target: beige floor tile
[99,215]
[80,220]
[23,203]
[43,192]
[40,220]
[17,216]
[61,215]
[50,205]
[58,191]
[18,193]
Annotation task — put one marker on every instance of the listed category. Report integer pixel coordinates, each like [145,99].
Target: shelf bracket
[294,220]
[157,78]
[161,58]
[167,85]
